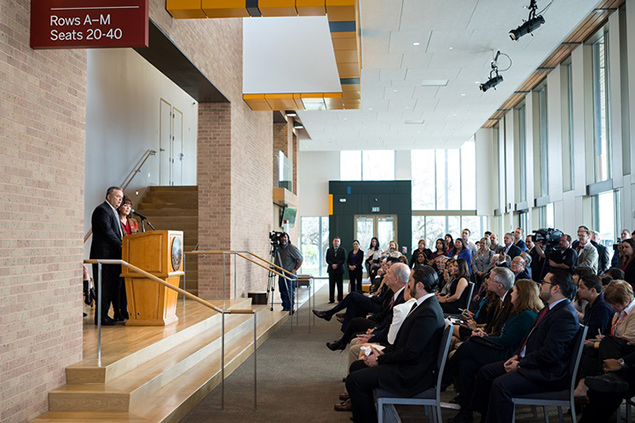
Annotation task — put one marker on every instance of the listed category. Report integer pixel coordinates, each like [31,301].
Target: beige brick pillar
[214,197]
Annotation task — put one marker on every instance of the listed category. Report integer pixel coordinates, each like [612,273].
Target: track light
[491,83]
[298,126]
[532,23]
[494,78]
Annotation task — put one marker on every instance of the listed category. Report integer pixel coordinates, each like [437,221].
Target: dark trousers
[356,305]
[119,299]
[465,363]
[602,405]
[494,389]
[592,358]
[360,384]
[110,279]
[357,325]
[336,278]
[355,277]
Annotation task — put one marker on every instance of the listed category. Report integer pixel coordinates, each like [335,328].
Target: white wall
[316,169]
[122,122]
[572,207]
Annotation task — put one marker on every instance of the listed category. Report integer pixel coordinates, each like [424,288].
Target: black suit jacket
[106,243]
[384,318]
[408,367]
[550,345]
[339,259]
[523,275]
[514,251]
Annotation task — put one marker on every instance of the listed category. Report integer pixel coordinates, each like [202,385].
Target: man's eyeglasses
[544,282]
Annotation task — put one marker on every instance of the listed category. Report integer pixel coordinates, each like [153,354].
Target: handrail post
[222,362]
[255,366]
[98,311]
[184,283]
[224,294]
[235,261]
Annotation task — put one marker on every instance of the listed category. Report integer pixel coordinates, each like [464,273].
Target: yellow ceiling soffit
[343,16]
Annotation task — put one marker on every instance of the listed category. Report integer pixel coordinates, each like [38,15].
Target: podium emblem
[177,253]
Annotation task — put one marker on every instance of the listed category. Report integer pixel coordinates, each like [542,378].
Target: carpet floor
[299,380]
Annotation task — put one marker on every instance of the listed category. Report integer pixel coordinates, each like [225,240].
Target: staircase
[176,208]
[154,374]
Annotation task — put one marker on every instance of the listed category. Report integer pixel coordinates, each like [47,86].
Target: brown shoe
[344,396]
[343,406]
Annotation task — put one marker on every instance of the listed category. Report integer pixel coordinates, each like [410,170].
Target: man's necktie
[540,317]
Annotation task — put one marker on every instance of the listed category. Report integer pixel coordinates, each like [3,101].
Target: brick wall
[42,136]
[215,47]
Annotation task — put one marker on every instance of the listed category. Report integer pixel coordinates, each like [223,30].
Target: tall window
[547,216]
[444,179]
[543,143]
[350,165]
[601,111]
[378,165]
[522,154]
[605,217]
[568,177]
[371,165]
[314,241]
[432,227]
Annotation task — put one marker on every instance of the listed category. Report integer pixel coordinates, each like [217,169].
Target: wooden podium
[161,254]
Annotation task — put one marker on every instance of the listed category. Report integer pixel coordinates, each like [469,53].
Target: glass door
[384,227]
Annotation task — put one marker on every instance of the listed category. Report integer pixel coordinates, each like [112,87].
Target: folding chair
[431,397]
[563,398]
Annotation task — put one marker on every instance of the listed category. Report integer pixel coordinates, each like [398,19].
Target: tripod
[274,257]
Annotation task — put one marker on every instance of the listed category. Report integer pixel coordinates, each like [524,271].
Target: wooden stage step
[157,374]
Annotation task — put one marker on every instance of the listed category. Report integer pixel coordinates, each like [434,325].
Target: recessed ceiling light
[434,82]
[407,107]
[416,44]
[450,48]
[394,91]
[414,122]
[463,95]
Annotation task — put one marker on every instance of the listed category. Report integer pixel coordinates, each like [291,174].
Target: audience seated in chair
[481,349]
[408,367]
[538,365]
[454,293]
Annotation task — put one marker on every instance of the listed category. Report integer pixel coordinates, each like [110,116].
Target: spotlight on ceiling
[292,114]
[491,83]
[532,23]
[298,126]
[494,77]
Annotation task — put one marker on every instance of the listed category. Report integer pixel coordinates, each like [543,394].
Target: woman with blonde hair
[481,349]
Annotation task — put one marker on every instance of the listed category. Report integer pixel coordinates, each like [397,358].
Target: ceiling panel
[475,29]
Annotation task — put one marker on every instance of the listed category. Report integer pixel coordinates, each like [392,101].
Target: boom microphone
[136,213]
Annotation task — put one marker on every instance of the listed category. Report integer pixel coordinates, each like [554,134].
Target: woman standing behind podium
[129,226]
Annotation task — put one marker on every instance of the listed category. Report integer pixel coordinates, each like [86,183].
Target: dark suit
[523,275]
[382,320]
[336,276]
[407,368]
[106,244]
[514,251]
[544,366]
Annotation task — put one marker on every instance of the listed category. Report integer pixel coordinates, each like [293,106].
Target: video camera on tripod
[550,238]
[274,237]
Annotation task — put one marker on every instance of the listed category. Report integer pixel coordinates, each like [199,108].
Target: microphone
[136,213]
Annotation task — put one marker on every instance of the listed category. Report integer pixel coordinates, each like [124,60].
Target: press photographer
[288,257]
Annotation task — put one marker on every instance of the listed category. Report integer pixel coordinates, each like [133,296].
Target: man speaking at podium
[106,244]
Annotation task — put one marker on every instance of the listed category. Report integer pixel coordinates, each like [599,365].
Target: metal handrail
[128,180]
[241,254]
[160,281]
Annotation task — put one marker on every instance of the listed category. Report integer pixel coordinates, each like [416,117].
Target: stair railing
[126,182]
[193,297]
[269,266]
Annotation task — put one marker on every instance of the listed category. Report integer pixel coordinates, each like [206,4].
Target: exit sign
[374,210]
[89,23]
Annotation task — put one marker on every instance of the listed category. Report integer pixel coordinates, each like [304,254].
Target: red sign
[89,23]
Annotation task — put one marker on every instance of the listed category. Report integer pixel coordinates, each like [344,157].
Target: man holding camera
[565,258]
[290,259]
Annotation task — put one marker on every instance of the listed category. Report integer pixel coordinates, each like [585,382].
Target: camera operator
[564,258]
[290,259]
[537,254]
